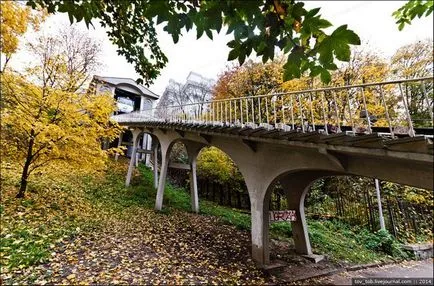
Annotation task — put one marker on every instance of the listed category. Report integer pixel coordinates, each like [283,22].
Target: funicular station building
[130,97]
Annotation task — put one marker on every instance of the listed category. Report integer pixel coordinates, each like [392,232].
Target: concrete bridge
[295,139]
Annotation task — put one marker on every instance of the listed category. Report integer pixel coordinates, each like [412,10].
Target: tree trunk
[25,173]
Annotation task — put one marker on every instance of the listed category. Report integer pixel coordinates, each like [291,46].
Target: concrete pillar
[119,145]
[260,228]
[136,133]
[193,150]
[149,144]
[296,188]
[137,155]
[193,186]
[165,154]
[155,148]
[299,227]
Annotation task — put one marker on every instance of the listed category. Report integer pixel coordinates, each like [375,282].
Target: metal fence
[398,105]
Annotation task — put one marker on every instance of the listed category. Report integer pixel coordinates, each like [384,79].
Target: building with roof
[129,96]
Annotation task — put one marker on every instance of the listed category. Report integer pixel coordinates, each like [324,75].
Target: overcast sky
[371,20]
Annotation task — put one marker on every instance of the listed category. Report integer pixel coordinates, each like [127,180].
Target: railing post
[301,112]
[119,145]
[292,112]
[324,112]
[407,112]
[235,111]
[213,112]
[337,112]
[349,111]
[274,110]
[221,112]
[266,110]
[427,103]
[247,110]
[230,112]
[259,110]
[253,111]
[226,112]
[386,111]
[311,111]
[241,111]
[366,111]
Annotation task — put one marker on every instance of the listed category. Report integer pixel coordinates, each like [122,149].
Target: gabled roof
[121,81]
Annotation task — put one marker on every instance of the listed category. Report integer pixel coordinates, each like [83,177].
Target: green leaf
[331,66]
[315,70]
[343,53]
[241,58]
[231,44]
[209,34]
[233,55]
[199,32]
[293,63]
[325,76]
[345,35]
[312,12]
[325,51]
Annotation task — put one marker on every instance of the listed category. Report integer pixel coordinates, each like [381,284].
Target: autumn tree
[365,66]
[250,79]
[15,20]
[414,61]
[48,129]
[215,165]
[48,126]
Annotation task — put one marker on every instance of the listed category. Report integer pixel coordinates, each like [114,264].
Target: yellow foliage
[214,164]
[15,19]
[54,131]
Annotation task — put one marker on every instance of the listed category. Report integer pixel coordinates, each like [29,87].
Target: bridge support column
[136,133]
[165,155]
[296,188]
[257,184]
[119,145]
[260,228]
[155,149]
[193,150]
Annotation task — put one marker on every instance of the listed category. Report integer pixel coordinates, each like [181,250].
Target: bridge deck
[377,140]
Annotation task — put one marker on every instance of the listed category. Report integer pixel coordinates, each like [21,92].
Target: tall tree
[70,57]
[250,79]
[49,130]
[257,25]
[45,125]
[413,61]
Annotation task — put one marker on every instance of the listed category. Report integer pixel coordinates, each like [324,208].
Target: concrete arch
[167,140]
[137,133]
[129,87]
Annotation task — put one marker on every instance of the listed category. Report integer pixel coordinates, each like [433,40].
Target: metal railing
[398,105]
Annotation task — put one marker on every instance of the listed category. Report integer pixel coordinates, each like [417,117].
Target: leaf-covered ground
[150,248]
[96,231]
[91,229]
